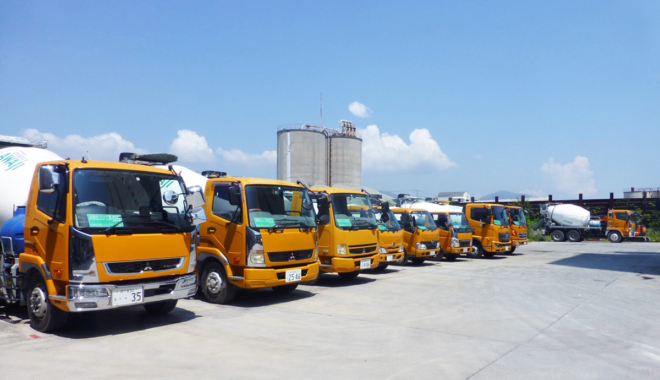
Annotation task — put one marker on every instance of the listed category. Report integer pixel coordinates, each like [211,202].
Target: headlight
[341,249]
[401,248]
[455,243]
[437,245]
[421,246]
[256,258]
[74,292]
[382,250]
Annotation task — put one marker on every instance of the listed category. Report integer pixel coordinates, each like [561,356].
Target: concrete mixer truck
[96,235]
[574,223]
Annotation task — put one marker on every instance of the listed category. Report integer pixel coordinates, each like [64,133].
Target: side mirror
[385,217]
[414,221]
[48,179]
[386,208]
[170,197]
[195,197]
[323,215]
[198,216]
[234,193]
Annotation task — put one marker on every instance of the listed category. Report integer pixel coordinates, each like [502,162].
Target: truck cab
[390,236]
[348,240]
[624,225]
[260,233]
[518,227]
[101,235]
[455,233]
[490,228]
[420,234]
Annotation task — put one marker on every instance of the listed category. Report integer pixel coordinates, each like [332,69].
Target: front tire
[417,260]
[160,307]
[451,256]
[283,289]
[557,236]
[381,267]
[477,251]
[404,259]
[216,286]
[615,237]
[44,316]
[349,275]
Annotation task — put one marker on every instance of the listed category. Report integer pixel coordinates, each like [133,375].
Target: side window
[406,222]
[441,221]
[49,202]
[621,215]
[222,207]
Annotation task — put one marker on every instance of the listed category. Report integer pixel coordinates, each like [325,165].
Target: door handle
[34,231]
[211,230]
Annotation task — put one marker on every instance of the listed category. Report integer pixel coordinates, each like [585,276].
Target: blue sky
[537,97]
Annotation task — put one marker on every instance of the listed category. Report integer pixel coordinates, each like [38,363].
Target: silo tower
[345,154]
[302,154]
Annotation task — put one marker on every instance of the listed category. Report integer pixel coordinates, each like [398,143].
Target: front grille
[465,243]
[429,244]
[505,237]
[358,249]
[283,257]
[127,267]
[523,235]
[281,276]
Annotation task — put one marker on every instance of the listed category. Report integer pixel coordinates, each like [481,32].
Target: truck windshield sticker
[497,222]
[264,222]
[104,220]
[382,227]
[421,228]
[344,222]
[516,223]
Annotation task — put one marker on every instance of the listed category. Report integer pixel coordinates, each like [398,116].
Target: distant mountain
[503,194]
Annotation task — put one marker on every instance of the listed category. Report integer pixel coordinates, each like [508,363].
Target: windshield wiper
[176,228]
[111,230]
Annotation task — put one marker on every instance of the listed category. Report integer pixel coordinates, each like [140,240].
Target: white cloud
[385,152]
[360,110]
[101,147]
[191,147]
[249,159]
[571,178]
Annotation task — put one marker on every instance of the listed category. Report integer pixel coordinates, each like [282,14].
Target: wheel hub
[214,282]
[38,302]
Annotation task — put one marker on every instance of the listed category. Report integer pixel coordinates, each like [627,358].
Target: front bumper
[257,278]
[460,250]
[171,289]
[425,253]
[391,256]
[518,243]
[498,247]
[348,264]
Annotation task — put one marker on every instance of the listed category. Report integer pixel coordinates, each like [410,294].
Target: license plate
[365,263]
[293,275]
[432,253]
[127,296]
[465,249]
[389,257]
[508,247]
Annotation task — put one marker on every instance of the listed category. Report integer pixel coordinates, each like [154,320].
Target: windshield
[458,220]
[278,206]
[500,216]
[518,217]
[391,225]
[129,201]
[353,211]
[424,220]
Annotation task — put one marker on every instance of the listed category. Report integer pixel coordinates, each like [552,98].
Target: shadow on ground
[332,280]
[267,297]
[634,262]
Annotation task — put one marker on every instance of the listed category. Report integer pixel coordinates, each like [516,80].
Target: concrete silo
[302,154]
[345,155]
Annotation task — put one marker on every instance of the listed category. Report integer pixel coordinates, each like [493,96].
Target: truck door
[441,220]
[476,216]
[47,230]
[225,227]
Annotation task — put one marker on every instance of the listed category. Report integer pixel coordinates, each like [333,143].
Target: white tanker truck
[574,223]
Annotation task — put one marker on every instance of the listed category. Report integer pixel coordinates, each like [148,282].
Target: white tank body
[569,215]
[190,177]
[432,207]
[17,165]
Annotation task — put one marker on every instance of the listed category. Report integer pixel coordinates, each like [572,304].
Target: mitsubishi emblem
[147,267]
[393,244]
[364,250]
[292,257]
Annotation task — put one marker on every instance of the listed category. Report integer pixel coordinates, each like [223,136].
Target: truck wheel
[381,267]
[451,256]
[44,316]
[160,307]
[404,259]
[488,254]
[349,275]
[417,260]
[615,237]
[477,251]
[557,235]
[513,249]
[283,289]
[215,285]
[573,236]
